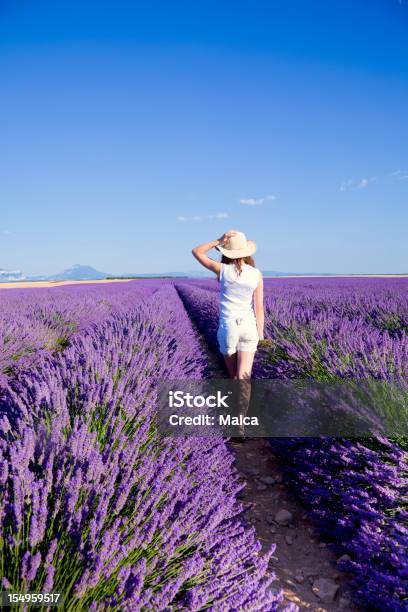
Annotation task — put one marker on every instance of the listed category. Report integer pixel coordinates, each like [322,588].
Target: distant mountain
[79,272]
[10,275]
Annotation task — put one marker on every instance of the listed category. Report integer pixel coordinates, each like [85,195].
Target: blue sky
[132,131]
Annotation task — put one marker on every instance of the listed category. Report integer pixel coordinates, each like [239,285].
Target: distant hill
[79,272]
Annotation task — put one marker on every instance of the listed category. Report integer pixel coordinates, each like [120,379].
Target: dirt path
[49,284]
[300,561]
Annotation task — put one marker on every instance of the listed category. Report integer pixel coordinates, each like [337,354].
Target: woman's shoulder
[254,271]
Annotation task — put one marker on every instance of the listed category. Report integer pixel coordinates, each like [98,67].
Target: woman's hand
[225,237]
[200,251]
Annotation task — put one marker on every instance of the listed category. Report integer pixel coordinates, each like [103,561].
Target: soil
[299,558]
[62,283]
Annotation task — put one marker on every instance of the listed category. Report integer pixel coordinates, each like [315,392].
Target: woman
[241,309]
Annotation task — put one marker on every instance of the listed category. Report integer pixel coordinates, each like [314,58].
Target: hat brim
[237,253]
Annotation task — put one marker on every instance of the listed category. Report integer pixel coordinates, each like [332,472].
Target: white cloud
[257,201]
[220,215]
[366,181]
[345,185]
[356,184]
[251,202]
[197,218]
[399,175]
[6,233]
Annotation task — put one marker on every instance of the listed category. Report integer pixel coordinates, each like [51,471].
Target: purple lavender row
[93,503]
[354,490]
[202,306]
[354,329]
[41,320]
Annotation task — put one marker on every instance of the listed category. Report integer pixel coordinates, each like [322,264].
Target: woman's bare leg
[231,363]
[244,364]
[245,361]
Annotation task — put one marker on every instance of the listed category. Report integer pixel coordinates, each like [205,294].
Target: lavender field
[95,504]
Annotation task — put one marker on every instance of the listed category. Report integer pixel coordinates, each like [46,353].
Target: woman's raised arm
[200,251]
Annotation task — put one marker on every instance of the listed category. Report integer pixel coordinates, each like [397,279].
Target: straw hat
[238,246]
